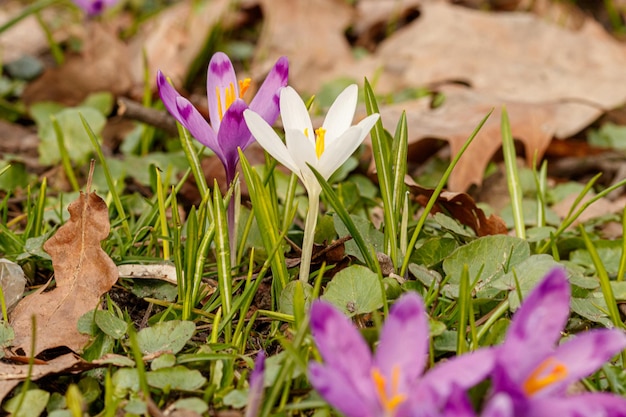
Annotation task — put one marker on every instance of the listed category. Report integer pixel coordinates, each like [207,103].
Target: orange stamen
[547,373]
[243,86]
[389,402]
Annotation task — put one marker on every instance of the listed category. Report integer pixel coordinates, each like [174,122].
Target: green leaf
[111,324]
[267,221]
[125,380]
[176,378]
[166,360]
[166,336]
[370,235]
[191,404]
[609,251]
[285,302]
[355,290]
[33,405]
[6,334]
[489,256]
[75,137]
[528,274]
[102,101]
[433,251]
[592,307]
[424,275]
[237,398]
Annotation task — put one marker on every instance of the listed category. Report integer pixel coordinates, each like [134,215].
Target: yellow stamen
[230,96]
[389,402]
[319,141]
[243,86]
[547,373]
[219,103]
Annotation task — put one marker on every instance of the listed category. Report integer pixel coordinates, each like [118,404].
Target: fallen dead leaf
[599,208]
[460,206]
[554,81]
[11,375]
[83,272]
[25,38]
[173,39]
[163,272]
[456,119]
[311,34]
[102,66]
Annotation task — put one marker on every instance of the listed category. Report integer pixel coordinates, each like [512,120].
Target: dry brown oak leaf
[83,273]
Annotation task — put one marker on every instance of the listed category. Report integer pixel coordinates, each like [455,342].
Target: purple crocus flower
[390,382]
[532,373]
[255,392]
[94,7]
[227,130]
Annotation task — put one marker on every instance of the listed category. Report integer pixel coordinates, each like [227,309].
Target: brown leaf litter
[83,273]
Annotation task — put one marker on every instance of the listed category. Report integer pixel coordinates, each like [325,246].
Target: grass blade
[382,159]
[512,177]
[435,195]
[343,214]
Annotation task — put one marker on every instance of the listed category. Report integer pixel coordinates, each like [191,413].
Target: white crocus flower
[325,149]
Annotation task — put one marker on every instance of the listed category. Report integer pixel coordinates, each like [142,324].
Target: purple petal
[197,125]
[220,76]
[233,134]
[352,397]
[584,405]
[404,341]
[94,7]
[536,326]
[458,405]
[266,100]
[585,354]
[339,342]
[168,96]
[255,393]
[499,406]
[462,371]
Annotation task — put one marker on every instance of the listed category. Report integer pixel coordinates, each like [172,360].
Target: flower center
[230,95]
[547,373]
[388,394]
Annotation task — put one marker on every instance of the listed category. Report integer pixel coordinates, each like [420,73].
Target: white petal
[340,150]
[340,115]
[294,113]
[367,124]
[303,153]
[268,139]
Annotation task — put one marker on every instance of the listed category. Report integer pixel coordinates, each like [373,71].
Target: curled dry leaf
[83,272]
[11,375]
[460,206]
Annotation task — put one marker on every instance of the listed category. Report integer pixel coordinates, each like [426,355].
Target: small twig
[130,109]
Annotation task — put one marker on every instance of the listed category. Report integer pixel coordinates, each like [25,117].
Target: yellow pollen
[319,141]
[547,373]
[389,402]
[230,96]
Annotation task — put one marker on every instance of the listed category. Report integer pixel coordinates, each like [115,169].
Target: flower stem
[309,235]
[230,213]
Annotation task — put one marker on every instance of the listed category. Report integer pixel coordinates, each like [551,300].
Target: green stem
[309,235]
